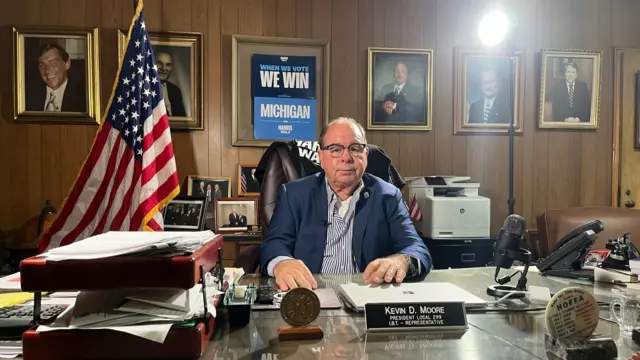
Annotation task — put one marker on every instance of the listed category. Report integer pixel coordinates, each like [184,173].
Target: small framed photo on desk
[235,214]
[185,213]
[248,184]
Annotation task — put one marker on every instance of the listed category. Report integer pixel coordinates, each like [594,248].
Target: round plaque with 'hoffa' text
[572,313]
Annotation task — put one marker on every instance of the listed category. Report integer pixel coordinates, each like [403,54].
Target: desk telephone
[621,251]
[568,255]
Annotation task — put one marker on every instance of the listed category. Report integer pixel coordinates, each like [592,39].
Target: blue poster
[284,97]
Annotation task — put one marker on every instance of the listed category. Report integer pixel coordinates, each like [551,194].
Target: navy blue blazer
[382,226]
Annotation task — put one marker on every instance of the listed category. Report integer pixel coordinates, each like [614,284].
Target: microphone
[510,238]
[508,248]
[325,223]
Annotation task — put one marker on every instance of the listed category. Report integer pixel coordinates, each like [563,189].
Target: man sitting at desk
[341,220]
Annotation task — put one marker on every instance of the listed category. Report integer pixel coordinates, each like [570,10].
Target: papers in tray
[146,313]
[10,349]
[132,243]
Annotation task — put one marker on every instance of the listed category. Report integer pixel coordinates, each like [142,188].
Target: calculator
[21,316]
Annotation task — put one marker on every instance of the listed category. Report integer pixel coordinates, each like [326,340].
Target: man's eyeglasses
[337,150]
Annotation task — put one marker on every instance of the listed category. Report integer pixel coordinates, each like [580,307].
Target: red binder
[112,273]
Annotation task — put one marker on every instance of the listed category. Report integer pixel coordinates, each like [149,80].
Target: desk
[511,335]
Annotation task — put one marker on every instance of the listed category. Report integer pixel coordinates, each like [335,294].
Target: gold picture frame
[48,64]
[251,183]
[242,48]
[570,89]
[488,86]
[183,67]
[414,68]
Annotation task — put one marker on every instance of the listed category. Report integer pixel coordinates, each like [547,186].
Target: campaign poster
[284,97]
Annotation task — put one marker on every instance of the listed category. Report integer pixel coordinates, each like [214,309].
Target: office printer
[451,207]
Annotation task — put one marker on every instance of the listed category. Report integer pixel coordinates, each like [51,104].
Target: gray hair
[342,120]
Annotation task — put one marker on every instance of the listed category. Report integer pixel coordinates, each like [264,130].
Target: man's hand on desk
[292,273]
[387,269]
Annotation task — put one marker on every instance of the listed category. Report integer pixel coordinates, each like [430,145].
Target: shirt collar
[331,194]
[59,91]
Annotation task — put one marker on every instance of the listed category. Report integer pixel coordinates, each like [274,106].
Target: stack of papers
[138,243]
[10,349]
[148,313]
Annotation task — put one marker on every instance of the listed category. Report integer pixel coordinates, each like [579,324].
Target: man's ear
[67,65]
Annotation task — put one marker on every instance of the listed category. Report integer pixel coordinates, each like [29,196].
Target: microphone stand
[511,132]
[501,290]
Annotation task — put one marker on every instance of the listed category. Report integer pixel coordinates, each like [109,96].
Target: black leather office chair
[283,163]
[275,168]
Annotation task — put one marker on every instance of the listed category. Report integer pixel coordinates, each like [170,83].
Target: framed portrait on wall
[399,89]
[56,75]
[487,91]
[179,61]
[279,88]
[570,85]
[248,184]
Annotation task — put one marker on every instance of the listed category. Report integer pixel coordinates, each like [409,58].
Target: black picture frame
[184,222]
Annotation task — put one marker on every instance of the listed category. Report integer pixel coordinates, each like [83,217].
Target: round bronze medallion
[300,307]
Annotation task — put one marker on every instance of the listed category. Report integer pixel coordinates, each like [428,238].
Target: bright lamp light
[493,28]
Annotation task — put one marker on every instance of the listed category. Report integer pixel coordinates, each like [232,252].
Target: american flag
[130,172]
[243,183]
[414,210]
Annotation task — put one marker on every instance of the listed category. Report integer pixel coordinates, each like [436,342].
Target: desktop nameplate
[416,316]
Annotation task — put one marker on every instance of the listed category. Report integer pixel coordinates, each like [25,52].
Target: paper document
[176,299]
[147,317]
[232,275]
[10,349]
[10,283]
[180,305]
[64,294]
[94,310]
[116,243]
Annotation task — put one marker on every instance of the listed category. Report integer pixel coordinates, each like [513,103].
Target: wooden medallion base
[310,332]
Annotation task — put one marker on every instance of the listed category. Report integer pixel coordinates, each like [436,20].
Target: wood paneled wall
[553,169]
